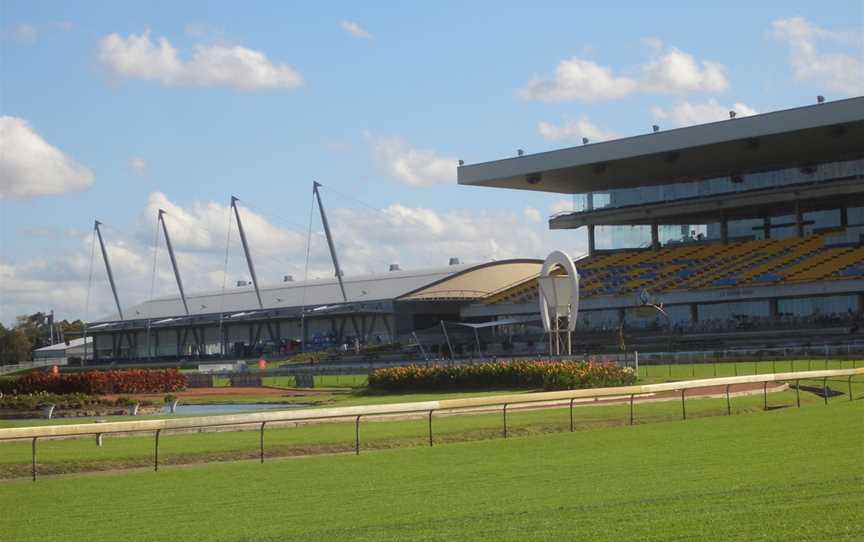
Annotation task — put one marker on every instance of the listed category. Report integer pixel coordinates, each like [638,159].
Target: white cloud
[561,206]
[687,114]
[840,72]
[574,131]
[355,29]
[31,167]
[578,79]
[532,214]
[216,65]
[24,33]
[366,240]
[138,165]
[673,72]
[416,167]
[677,72]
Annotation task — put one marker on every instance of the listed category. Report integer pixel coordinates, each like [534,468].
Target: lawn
[789,474]
[70,456]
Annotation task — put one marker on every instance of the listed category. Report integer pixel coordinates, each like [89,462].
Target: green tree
[15,345]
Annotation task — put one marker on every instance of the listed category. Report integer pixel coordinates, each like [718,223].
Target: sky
[114,110]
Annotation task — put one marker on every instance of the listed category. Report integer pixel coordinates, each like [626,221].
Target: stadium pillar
[655,236]
[724,230]
[766,227]
[799,220]
[592,247]
[844,217]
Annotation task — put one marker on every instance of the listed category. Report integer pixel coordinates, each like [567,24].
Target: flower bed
[98,382]
[31,405]
[532,374]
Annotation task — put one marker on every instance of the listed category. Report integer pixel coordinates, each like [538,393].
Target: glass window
[734,311]
[721,185]
[816,306]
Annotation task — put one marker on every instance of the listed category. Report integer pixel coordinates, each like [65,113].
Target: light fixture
[732,114]
[585,140]
[820,99]
[519,152]
[656,128]
[461,162]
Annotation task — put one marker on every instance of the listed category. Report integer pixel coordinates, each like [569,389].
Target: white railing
[261,419]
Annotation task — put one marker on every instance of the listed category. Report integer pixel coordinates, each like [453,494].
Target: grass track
[792,474]
[81,455]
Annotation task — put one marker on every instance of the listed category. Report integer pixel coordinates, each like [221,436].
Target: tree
[15,345]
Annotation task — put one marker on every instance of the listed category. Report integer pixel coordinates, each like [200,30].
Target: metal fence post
[631,409]
[798,392]
[850,387]
[505,420]
[765,395]
[262,441]
[825,389]
[571,411]
[683,408]
[156,452]
[357,436]
[34,458]
[728,402]
[430,428]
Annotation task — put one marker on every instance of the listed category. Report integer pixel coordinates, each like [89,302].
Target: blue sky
[375,101]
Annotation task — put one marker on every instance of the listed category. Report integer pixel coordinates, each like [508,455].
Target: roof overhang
[801,136]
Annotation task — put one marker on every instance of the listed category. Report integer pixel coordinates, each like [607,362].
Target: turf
[792,474]
[79,455]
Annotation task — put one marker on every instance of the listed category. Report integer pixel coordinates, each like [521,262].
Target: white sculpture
[559,299]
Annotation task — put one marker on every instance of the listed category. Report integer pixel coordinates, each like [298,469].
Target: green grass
[709,369]
[791,474]
[67,456]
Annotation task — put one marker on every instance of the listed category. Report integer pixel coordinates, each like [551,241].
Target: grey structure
[791,180]
[381,308]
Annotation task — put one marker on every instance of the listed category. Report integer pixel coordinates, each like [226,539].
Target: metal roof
[826,132]
[314,293]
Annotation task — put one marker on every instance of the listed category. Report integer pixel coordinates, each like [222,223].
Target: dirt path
[233,392]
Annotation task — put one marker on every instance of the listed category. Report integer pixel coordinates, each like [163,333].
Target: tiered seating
[698,266]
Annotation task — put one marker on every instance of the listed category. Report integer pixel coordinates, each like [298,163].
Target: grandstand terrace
[741,226]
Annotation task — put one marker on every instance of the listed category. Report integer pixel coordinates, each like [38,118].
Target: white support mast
[234,201]
[173,260]
[330,244]
[108,268]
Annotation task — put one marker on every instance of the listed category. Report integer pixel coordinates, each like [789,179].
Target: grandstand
[381,309]
[736,227]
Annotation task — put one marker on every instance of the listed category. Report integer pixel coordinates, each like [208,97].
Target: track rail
[312,415]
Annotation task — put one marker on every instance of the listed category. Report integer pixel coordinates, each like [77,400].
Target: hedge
[99,382]
[531,374]
[64,401]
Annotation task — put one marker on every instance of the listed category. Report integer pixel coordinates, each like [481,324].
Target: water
[184,410]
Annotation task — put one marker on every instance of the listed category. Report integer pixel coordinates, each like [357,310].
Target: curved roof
[318,293]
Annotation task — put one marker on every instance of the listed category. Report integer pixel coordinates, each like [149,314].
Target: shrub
[33,401]
[100,382]
[549,375]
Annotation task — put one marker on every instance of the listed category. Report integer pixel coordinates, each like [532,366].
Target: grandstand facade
[304,315]
[746,225]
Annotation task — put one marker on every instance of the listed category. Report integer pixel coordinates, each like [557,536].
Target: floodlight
[519,152]
[461,162]
[820,99]
[656,128]
[584,140]
[732,114]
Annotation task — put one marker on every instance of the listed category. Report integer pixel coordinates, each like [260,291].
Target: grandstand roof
[829,131]
[477,278]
